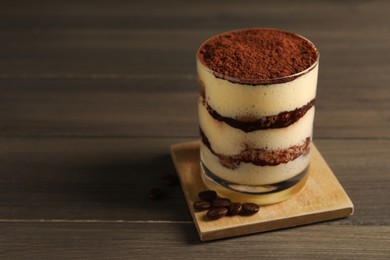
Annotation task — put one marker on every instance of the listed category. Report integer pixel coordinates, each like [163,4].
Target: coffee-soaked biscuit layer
[260,156]
[249,124]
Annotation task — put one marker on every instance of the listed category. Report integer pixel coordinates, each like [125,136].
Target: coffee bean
[170,179]
[202,205]
[249,208]
[207,195]
[216,213]
[234,208]
[155,193]
[221,202]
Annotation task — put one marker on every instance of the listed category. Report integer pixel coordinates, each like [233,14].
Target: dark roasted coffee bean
[169,179]
[155,193]
[207,195]
[234,208]
[249,208]
[216,213]
[221,202]
[202,205]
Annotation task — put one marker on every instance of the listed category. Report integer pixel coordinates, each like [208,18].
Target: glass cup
[255,138]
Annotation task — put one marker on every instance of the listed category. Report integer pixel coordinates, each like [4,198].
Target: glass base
[259,194]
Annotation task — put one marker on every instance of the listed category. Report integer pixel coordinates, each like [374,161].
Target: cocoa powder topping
[257,56]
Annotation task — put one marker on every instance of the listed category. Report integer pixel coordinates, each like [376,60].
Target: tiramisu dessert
[256,111]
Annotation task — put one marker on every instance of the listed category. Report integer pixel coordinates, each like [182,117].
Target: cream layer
[227,140]
[250,174]
[239,100]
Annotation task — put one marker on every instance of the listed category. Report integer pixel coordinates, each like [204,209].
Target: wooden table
[93,93]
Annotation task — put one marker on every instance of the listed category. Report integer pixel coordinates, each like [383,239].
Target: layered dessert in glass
[256,111]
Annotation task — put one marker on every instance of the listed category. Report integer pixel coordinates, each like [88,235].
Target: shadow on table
[119,190]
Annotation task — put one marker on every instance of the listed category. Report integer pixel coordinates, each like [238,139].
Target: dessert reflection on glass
[256,111]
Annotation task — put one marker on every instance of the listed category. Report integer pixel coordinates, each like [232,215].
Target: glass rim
[261,81]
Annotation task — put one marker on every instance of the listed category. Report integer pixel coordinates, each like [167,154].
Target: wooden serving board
[323,198]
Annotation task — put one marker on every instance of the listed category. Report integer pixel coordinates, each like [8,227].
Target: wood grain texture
[166,107]
[93,93]
[83,178]
[180,241]
[90,37]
